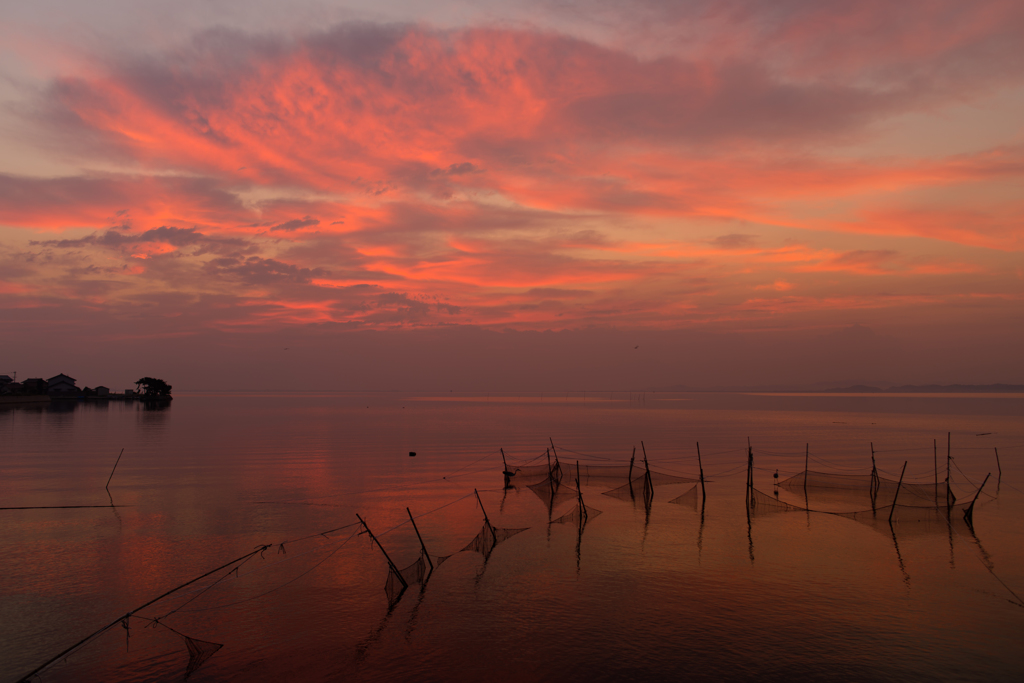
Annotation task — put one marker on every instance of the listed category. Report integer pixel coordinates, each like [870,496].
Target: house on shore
[62,386]
[35,385]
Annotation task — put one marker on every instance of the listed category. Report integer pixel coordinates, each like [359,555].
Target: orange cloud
[404,176]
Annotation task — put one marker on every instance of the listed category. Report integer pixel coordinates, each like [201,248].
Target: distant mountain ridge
[932,389]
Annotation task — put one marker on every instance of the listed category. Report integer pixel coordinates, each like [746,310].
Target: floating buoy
[412,454]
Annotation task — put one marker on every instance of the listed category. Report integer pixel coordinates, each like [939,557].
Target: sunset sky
[512,195]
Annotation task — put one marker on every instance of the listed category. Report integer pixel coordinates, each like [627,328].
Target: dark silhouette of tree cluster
[153,388]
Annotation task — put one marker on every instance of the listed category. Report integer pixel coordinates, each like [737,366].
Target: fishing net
[412,574]
[198,652]
[589,475]
[553,492]
[600,474]
[860,489]
[762,503]
[638,488]
[690,498]
[939,516]
[661,478]
[526,475]
[485,541]
[577,515]
[906,518]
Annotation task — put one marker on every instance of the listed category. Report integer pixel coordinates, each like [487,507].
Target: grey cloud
[296,224]
[456,169]
[178,237]
[863,256]
[110,193]
[733,241]
[261,271]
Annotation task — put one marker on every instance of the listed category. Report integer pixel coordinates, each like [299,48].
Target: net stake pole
[807,465]
[647,475]
[969,512]
[386,556]
[999,467]
[875,484]
[935,456]
[949,456]
[897,494]
[494,534]
[423,546]
[554,451]
[701,468]
[504,465]
[750,474]
[629,477]
[579,494]
[114,468]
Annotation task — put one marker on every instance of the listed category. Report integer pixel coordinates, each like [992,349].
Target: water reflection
[196,476]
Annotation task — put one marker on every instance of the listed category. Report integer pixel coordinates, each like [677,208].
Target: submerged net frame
[198,652]
[689,498]
[398,582]
[906,517]
[882,489]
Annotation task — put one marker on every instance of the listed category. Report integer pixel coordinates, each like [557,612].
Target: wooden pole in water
[553,450]
[494,534]
[750,474]
[896,495]
[935,455]
[750,464]
[807,465]
[703,494]
[647,475]
[115,467]
[874,477]
[548,451]
[504,465]
[386,556]
[969,512]
[1000,467]
[949,456]
[423,546]
[579,494]
[629,477]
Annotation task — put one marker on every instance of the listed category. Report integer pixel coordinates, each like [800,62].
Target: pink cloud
[404,176]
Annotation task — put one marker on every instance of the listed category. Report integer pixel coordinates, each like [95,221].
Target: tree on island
[153,388]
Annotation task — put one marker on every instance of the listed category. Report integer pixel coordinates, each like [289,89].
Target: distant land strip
[64,507]
[932,389]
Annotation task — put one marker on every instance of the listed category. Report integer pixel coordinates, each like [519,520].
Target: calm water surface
[658,594]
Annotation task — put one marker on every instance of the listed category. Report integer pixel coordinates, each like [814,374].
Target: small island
[64,387]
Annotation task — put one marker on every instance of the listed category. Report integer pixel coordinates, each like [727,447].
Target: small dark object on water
[412,454]
[983,434]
